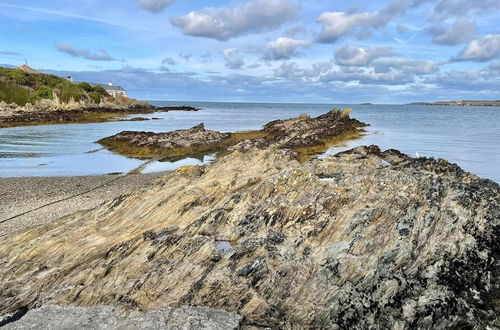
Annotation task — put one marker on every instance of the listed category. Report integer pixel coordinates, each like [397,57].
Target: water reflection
[468,136]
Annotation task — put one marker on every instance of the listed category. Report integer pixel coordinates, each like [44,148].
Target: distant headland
[462,103]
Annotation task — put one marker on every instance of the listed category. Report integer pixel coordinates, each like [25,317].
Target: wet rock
[304,134]
[180,142]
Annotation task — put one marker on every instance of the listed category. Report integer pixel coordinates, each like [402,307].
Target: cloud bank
[226,23]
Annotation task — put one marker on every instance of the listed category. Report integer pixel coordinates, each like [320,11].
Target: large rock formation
[364,239]
[304,134]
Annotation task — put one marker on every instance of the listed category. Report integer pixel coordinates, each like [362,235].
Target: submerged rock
[363,239]
[304,134]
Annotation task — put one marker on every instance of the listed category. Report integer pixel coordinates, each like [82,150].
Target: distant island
[462,103]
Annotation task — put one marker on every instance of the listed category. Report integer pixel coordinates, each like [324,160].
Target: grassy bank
[22,88]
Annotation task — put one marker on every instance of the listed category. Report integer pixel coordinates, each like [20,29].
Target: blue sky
[264,50]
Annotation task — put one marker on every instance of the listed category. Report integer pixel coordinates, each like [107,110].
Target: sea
[467,136]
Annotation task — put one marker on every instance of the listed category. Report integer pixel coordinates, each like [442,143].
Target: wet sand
[31,201]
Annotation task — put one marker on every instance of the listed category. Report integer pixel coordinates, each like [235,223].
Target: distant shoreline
[461,103]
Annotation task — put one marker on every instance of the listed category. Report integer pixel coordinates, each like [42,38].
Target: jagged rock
[109,317]
[304,134]
[363,239]
[173,143]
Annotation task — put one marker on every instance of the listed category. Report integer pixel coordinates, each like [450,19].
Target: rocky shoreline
[362,239]
[462,103]
[40,114]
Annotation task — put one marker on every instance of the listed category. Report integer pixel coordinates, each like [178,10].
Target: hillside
[22,88]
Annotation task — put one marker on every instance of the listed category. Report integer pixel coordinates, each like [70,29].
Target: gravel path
[31,201]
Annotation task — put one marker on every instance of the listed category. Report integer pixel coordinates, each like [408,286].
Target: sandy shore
[31,201]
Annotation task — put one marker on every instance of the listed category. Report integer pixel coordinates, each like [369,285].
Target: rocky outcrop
[363,239]
[47,112]
[175,143]
[109,317]
[303,134]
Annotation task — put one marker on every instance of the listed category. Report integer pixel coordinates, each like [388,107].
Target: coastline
[40,200]
[78,114]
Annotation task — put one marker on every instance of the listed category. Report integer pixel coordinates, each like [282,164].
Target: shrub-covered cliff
[21,88]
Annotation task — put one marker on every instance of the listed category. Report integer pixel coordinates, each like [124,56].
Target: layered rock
[357,240]
[304,134]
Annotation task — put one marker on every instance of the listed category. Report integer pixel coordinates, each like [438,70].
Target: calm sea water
[468,136]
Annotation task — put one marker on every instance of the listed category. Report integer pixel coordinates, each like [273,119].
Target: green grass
[17,86]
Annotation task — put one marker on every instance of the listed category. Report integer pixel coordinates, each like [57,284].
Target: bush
[44,92]
[95,97]
[100,90]
[86,87]
[70,91]
[51,80]
[12,93]
[18,76]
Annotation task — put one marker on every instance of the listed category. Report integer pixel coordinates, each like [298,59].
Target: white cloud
[462,8]
[100,55]
[284,48]
[226,23]
[351,54]
[338,24]
[481,50]
[460,32]
[154,6]
[233,58]
[407,65]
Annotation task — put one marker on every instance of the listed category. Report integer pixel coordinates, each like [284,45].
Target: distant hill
[495,103]
[25,85]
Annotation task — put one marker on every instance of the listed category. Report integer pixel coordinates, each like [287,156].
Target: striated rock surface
[304,134]
[109,317]
[363,239]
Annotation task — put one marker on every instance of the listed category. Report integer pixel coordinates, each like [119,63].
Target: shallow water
[468,136]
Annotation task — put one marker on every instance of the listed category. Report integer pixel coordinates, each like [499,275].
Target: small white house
[113,90]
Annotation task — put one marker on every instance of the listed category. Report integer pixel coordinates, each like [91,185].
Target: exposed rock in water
[304,134]
[176,108]
[109,317]
[353,241]
[173,143]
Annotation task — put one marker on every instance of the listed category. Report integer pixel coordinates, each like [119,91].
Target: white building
[113,90]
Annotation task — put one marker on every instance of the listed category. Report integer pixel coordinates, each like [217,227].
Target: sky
[316,51]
